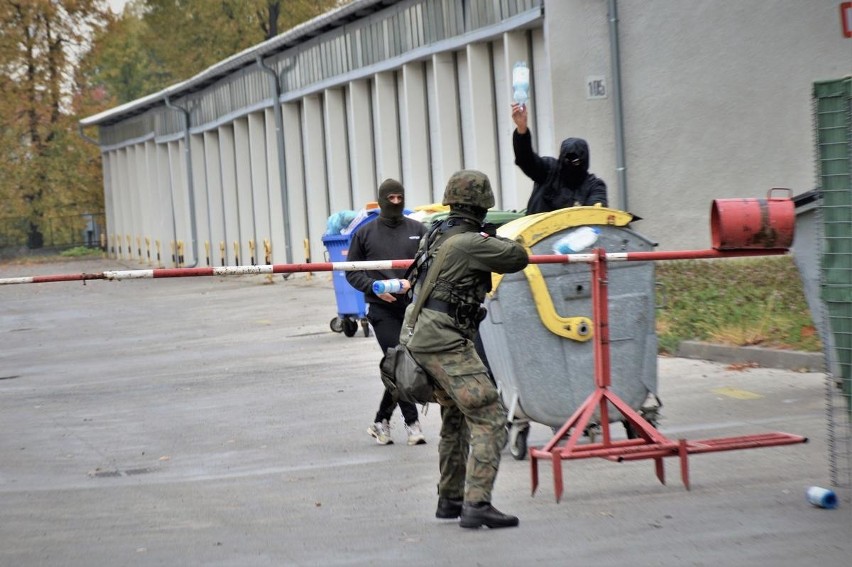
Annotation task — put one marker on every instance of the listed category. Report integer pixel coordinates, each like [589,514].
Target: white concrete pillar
[361,149]
[230,204]
[277,236]
[414,138]
[296,189]
[163,230]
[386,127]
[123,195]
[315,174]
[515,187]
[259,182]
[337,150]
[110,212]
[138,172]
[202,209]
[215,199]
[444,124]
[245,200]
[546,139]
[481,151]
[180,200]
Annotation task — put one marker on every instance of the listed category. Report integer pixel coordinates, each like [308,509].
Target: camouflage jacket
[472,257]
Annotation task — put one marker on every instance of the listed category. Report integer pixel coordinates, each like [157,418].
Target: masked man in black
[392,236]
[559,183]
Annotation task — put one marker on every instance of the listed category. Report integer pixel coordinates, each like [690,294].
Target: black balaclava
[573,162]
[391,213]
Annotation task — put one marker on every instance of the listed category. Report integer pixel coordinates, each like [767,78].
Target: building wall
[716,97]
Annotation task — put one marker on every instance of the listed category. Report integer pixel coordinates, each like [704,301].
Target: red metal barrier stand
[650,443]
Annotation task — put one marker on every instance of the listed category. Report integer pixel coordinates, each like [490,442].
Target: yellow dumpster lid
[531,229]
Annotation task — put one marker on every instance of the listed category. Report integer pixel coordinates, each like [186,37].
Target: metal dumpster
[537,334]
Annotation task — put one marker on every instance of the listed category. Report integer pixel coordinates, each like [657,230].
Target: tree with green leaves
[44,165]
[62,60]
[158,43]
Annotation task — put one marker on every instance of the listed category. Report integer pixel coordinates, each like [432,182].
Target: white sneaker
[381,431]
[415,434]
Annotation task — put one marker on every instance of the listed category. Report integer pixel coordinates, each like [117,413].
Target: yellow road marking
[736,394]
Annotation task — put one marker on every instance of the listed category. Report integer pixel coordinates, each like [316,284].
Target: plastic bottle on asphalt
[577,240]
[822,497]
[521,83]
[387,286]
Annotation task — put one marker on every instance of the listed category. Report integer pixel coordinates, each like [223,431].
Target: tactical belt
[442,306]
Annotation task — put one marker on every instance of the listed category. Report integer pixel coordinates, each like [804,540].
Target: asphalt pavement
[219,421]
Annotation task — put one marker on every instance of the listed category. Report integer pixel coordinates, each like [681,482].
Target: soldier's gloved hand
[490,229]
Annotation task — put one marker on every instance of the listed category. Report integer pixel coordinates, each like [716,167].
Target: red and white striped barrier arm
[373,265]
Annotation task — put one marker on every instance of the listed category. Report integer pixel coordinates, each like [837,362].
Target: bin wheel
[592,431]
[631,431]
[365,324]
[350,327]
[336,325]
[518,441]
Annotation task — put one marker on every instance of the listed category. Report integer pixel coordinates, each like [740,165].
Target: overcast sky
[117,5]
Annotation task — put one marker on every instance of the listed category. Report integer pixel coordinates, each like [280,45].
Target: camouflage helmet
[469,187]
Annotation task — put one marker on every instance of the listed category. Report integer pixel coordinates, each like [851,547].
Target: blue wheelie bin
[351,307]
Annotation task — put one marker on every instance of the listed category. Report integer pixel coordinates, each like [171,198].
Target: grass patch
[81,251]
[741,302]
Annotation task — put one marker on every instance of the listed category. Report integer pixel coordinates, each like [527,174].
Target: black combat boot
[478,514]
[448,508]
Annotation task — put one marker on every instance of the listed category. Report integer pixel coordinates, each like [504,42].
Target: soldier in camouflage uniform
[473,430]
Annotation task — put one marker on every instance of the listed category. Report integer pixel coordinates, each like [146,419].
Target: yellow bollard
[207,251]
[267,256]
[307,245]
[222,250]
[251,252]
[129,246]
[148,249]
[139,247]
[236,253]
[180,253]
[159,262]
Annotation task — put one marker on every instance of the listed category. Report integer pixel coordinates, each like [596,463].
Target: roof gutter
[615,58]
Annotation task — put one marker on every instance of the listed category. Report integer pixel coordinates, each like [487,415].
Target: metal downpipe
[190,186]
[282,171]
[615,59]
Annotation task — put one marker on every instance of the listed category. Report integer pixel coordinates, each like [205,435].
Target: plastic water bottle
[822,497]
[521,83]
[577,240]
[387,286]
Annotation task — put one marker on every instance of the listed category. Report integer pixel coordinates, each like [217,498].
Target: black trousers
[386,319]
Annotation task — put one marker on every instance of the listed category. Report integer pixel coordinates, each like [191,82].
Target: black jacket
[377,240]
[558,183]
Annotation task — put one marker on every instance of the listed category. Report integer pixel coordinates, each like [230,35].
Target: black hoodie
[559,183]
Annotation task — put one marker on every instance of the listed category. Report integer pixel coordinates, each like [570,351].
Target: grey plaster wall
[716,96]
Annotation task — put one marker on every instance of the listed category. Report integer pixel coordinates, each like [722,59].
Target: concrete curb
[764,357]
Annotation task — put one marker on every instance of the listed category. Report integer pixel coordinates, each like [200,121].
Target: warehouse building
[682,102]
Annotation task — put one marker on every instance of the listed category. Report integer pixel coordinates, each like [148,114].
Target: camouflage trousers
[473,423]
